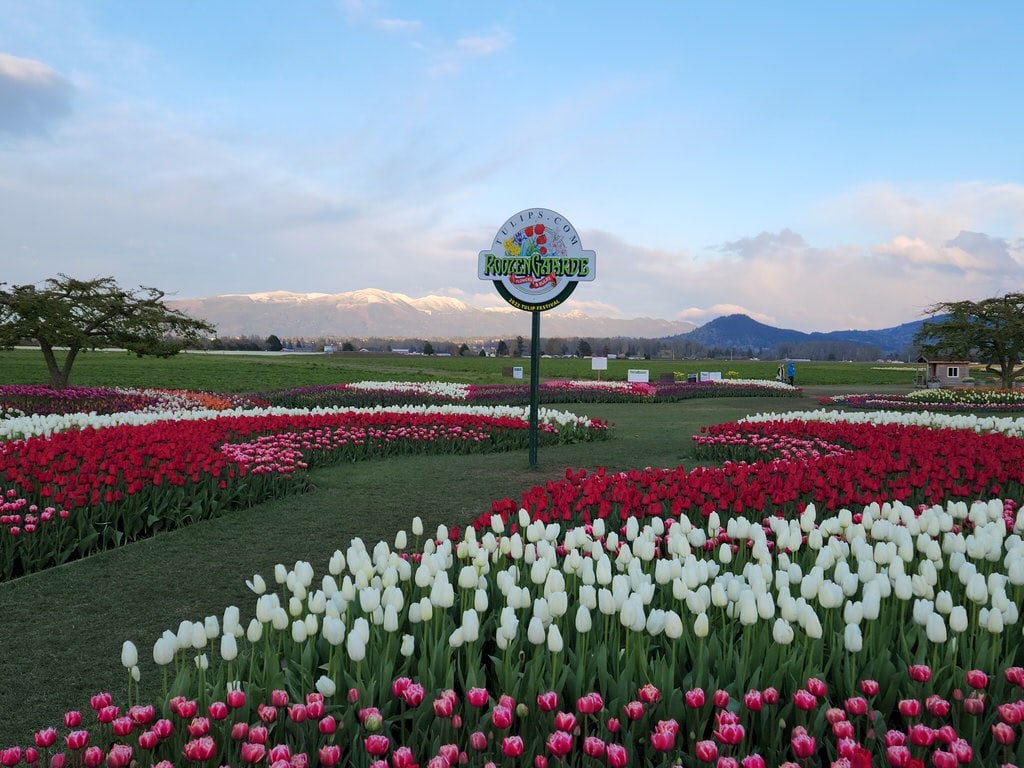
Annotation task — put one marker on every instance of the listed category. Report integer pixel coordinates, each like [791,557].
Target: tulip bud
[129,654]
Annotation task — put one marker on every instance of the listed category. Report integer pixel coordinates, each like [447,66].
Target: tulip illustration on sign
[536,260]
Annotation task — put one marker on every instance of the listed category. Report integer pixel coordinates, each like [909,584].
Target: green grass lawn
[252,373]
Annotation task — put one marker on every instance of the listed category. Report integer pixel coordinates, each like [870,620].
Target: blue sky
[816,165]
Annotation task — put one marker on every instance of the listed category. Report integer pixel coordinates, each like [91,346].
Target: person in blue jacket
[791,372]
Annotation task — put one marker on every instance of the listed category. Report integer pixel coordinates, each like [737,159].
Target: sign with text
[638,374]
[536,260]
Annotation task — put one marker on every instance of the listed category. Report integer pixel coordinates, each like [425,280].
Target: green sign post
[535,262]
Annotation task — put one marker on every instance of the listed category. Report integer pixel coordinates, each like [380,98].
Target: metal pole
[534,384]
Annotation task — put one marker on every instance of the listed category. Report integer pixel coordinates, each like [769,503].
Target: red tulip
[148,740]
[869,687]
[1003,734]
[729,733]
[753,761]
[236,699]
[258,734]
[590,703]
[478,741]
[443,707]
[816,687]
[92,757]
[977,679]
[76,739]
[279,752]
[943,759]
[753,701]
[920,735]
[721,699]
[856,705]
[10,757]
[399,684]
[613,725]
[298,713]
[909,707]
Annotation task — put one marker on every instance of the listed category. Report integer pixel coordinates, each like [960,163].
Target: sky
[815,165]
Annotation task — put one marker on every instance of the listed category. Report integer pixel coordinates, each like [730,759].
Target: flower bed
[994,400]
[550,392]
[19,400]
[733,615]
[74,485]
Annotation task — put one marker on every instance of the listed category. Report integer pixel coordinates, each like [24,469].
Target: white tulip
[401,540]
[163,651]
[228,647]
[701,625]
[129,654]
[554,639]
[408,646]
[535,631]
[257,585]
[202,661]
[325,686]
[935,628]
[417,526]
[280,620]
[958,619]
[782,632]
[355,647]
[853,640]
[280,573]
[198,635]
[584,622]
[254,631]
[299,631]
[673,625]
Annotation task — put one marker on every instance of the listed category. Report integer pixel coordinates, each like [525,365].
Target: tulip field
[830,587]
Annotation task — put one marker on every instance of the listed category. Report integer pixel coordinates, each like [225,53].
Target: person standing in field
[778,374]
[791,372]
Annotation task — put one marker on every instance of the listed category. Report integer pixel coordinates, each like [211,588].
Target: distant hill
[743,332]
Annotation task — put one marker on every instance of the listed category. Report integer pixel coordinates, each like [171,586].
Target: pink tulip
[443,707]
[330,755]
[76,739]
[721,699]
[856,705]
[258,734]
[869,687]
[1014,676]
[816,687]
[236,699]
[279,752]
[539,761]
[633,710]
[559,743]
[565,721]
[648,694]
[547,702]
[327,725]
[450,753]
[663,741]
[706,751]
[141,715]
[253,753]
[148,740]
[376,745]
[501,717]
[591,703]
[92,757]
[279,698]
[1003,734]
[943,759]
[593,747]
[402,758]
[477,697]
[613,725]
[478,741]
[729,733]
[163,728]
[802,743]
[398,686]
[10,757]
[45,738]
[909,707]
[199,750]
[616,755]
[753,761]
[752,700]
[100,700]
[770,696]
[200,726]
[267,713]
[727,761]
[920,673]
[920,735]
[119,756]
[694,698]
[413,694]
[512,746]
[977,679]
[352,696]
[975,704]
[805,700]
[217,710]
[298,713]
[58,760]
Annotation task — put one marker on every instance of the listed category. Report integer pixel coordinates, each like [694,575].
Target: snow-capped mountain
[371,312]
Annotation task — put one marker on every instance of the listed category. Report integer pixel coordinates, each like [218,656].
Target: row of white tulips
[1013,427]
[844,577]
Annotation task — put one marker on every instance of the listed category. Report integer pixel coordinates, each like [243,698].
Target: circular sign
[536,260]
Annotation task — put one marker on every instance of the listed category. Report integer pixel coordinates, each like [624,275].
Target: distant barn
[945,373]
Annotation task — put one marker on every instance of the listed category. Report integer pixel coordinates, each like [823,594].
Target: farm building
[945,373]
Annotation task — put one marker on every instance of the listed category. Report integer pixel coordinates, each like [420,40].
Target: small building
[945,373]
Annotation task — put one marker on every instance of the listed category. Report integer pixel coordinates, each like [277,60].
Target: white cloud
[34,96]
[451,60]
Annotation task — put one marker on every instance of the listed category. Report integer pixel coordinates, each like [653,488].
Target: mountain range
[373,313]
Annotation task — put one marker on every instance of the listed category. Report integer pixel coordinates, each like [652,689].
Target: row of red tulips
[782,466]
[67,495]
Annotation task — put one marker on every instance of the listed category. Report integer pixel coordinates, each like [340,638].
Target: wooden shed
[945,373]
